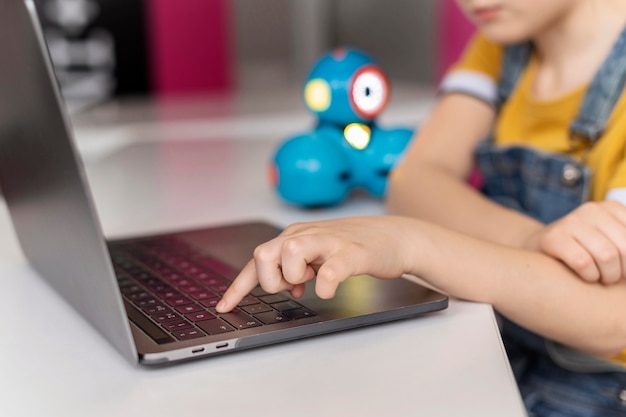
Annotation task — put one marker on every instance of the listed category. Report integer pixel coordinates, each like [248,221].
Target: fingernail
[220,305]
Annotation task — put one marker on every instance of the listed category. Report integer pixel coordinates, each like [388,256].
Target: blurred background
[106,49]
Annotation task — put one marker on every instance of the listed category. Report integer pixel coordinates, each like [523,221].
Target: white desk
[446,364]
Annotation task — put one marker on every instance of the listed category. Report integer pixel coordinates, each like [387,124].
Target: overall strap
[514,63]
[602,94]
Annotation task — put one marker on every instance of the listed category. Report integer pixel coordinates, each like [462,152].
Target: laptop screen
[43,180]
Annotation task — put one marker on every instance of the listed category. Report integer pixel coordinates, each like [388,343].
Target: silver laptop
[152,297]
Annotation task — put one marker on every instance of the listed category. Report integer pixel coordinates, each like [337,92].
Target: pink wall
[453,31]
[190,46]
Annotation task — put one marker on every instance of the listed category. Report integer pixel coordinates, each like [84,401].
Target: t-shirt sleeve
[477,71]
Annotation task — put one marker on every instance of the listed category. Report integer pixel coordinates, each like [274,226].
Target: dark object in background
[126,21]
[98,47]
[106,48]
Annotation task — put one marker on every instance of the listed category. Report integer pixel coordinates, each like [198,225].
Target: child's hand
[333,250]
[591,240]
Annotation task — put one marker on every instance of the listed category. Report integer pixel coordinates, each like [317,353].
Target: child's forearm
[430,193]
[430,182]
[532,289]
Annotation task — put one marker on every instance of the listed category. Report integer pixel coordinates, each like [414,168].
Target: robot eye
[317,95]
[370,92]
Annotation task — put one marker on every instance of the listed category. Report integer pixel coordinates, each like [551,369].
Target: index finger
[245,282]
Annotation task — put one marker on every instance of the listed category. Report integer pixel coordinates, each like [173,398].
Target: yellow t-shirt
[543,125]
[540,124]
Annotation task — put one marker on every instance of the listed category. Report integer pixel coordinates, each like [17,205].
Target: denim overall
[554,380]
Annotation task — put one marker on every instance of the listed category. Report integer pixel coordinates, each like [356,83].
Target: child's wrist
[532,240]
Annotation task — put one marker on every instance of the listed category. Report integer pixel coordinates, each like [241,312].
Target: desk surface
[450,363]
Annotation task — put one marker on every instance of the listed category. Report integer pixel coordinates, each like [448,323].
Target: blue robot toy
[346,90]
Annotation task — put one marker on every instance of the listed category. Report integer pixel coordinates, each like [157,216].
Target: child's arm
[431,184]
[591,240]
[532,289]
[431,181]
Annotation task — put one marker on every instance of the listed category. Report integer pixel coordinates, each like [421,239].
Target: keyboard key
[271,317]
[160,288]
[165,317]
[178,301]
[256,308]
[176,325]
[124,281]
[140,295]
[240,320]
[248,300]
[146,277]
[200,316]
[203,275]
[299,313]
[273,298]
[187,334]
[286,305]
[258,291]
[168,294]
[181,283]
[146,302]
[203,295]
[144,323]
[220,288]
[173,277]
[209,302]
[155,309]
[189,308]
[190,288]
[214,280]
[152,282]
[216,326]
[131,289]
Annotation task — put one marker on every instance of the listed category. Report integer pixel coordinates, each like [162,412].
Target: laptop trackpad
[364,294]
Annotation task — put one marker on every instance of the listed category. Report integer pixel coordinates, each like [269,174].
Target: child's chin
[502,35]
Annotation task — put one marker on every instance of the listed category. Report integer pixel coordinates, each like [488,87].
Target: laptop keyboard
[170,291]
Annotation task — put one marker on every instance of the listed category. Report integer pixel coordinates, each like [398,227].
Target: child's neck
[571,51]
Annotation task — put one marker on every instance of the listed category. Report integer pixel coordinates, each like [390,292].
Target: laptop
[152,297]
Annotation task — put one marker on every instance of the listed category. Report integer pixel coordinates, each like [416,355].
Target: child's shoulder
[481,55]
[477,71]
